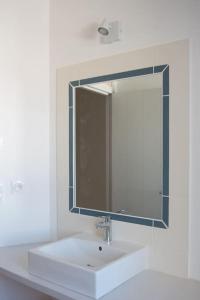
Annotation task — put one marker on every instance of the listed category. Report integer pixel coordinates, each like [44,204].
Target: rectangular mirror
[119,146]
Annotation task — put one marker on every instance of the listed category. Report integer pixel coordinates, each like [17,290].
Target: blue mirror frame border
[160,223]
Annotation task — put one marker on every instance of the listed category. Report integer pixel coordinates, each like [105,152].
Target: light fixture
[109,32]
[104,28]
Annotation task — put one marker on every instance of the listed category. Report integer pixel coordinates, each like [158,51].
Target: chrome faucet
[106,224]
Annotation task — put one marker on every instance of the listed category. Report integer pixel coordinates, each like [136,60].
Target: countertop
[148,285]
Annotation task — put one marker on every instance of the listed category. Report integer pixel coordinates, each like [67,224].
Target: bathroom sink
[87,265]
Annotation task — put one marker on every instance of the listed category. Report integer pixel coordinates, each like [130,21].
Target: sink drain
[89,265]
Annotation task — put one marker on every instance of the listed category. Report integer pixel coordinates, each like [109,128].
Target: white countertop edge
[158,286]
[43,286]
[16,271]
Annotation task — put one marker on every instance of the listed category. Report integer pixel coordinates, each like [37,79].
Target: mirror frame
[164,221]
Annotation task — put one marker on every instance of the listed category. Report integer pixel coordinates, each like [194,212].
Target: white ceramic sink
[87,265]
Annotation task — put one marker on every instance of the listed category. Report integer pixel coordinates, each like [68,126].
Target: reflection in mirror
[119,146]
[119,158]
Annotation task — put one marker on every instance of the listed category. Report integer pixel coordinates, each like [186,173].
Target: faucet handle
[106,219]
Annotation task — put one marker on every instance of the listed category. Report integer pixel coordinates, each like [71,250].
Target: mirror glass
[119,146]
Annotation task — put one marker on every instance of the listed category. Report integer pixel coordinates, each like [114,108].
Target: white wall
[144,23]
[194,260]
[24,120]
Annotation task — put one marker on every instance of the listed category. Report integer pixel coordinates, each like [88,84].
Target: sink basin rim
[95,282]
[87,237]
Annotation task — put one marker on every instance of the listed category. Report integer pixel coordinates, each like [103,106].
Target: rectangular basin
[87,265]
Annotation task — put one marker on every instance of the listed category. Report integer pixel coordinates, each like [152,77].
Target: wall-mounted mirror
[119,146]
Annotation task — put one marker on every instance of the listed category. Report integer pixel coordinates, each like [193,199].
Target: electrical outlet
[17,186]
